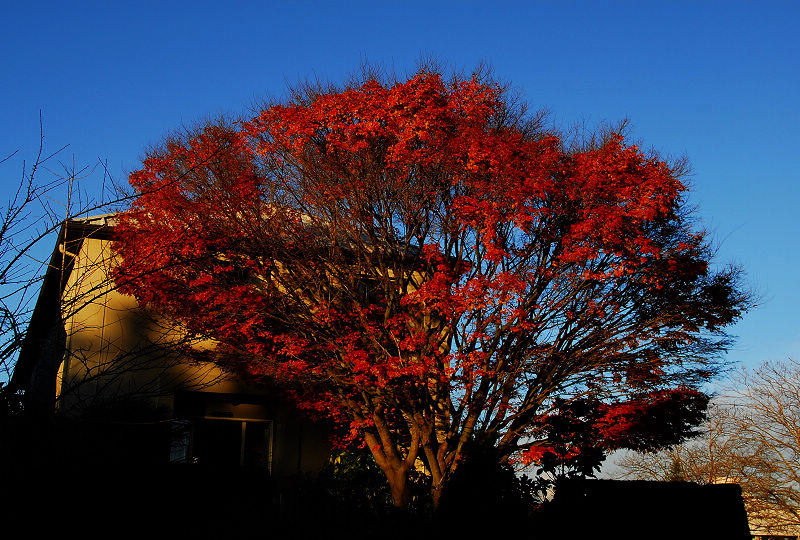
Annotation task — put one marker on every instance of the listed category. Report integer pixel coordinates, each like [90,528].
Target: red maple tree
[426,265]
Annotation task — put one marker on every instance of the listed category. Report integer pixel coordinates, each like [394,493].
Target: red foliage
[579,432]
[417,262]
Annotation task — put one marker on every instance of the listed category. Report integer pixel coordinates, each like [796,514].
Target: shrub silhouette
[486,491]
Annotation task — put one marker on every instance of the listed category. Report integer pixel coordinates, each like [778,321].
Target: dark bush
[482,491]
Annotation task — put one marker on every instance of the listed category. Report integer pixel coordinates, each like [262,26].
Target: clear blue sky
[717,81]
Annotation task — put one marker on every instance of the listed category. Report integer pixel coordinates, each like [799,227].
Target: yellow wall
[115,349]
[122,362]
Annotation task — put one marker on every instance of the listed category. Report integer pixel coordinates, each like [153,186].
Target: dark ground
[63,481]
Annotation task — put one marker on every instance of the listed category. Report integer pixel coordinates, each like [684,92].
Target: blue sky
[716,81]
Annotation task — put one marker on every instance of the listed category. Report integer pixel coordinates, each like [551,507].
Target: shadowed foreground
[50,487]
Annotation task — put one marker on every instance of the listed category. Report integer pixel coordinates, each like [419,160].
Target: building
[93,356]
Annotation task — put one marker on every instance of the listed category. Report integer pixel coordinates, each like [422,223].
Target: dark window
[217,443]
[222,443]
[256,446]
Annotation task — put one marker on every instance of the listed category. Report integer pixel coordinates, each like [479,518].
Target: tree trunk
[398,483]
[436,495]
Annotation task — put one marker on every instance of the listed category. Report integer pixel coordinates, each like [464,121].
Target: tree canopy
[421,261]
